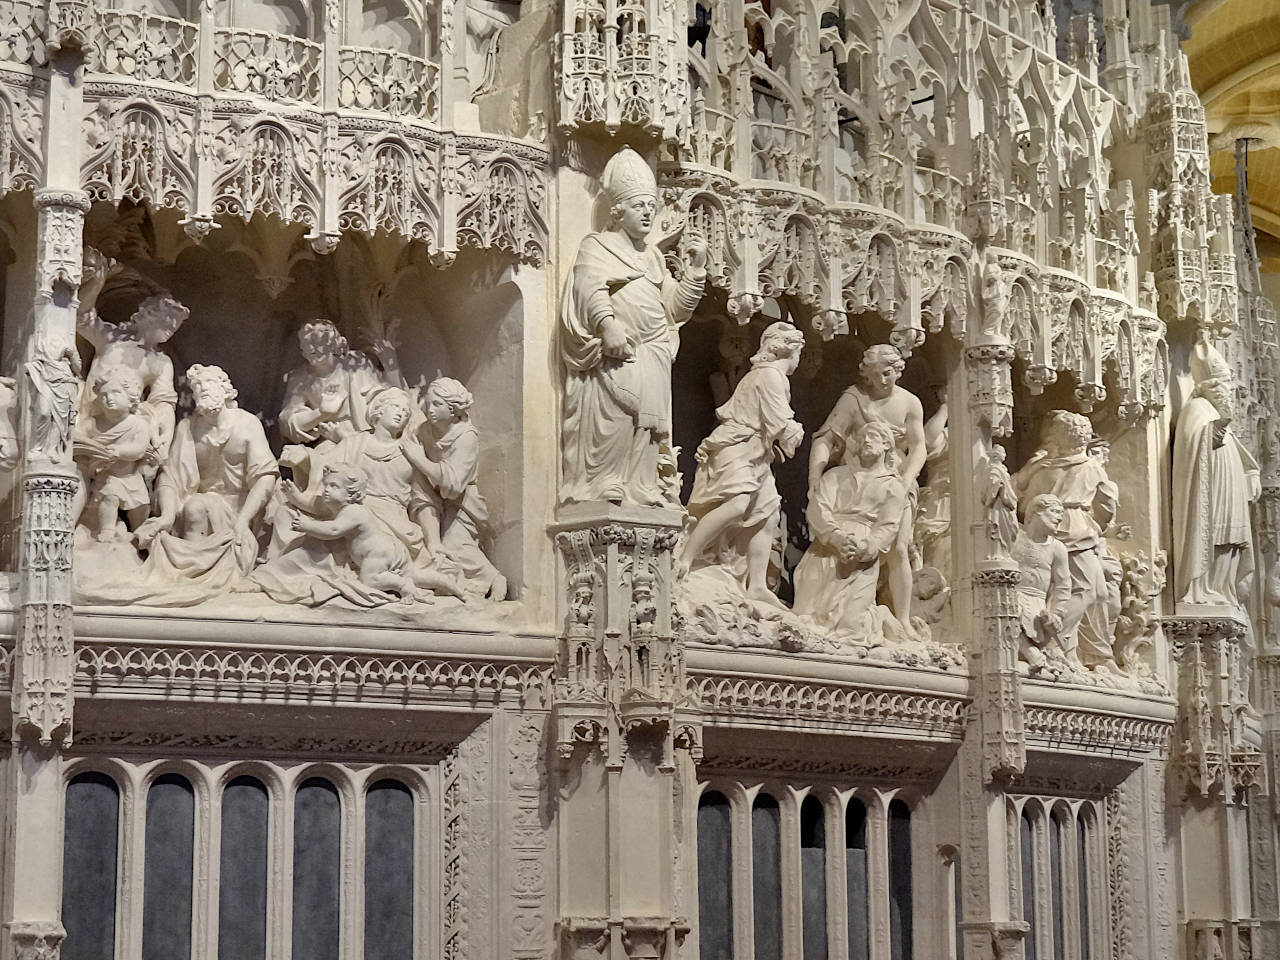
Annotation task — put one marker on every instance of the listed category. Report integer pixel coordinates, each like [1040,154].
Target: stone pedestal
[618,718]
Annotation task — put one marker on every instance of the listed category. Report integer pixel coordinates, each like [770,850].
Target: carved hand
[697,251]
[152,528]
[613,340]
[291,493]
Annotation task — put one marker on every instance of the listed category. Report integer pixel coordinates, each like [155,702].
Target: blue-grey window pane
[388,871]
[1082,861]
[317,829]
[242,892]
[1055,870]
[1026,834]
[813,872]
[715,878]
[766,864]
[901,945]
[89,859]
[855,859]
[170,845]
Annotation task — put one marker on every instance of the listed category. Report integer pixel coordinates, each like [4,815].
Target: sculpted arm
[916,444]
[838,424]
[163,399]
[346,522]
[1059,579]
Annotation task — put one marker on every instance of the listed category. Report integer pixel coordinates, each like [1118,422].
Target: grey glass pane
[317,830]
[388,871]
[813,872]
[1082,866]
[855,859]
[1026,834]
[89,858]
[166,895]
[715,878]
[242,893]
[1055,872]
[766,865]
[901,946]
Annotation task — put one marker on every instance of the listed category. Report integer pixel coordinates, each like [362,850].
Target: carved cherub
[1045,588]
[112,447]
[380,559]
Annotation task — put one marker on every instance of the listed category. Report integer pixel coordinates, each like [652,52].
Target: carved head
[211,388]
[1066,433]
[344,483]
[780,341]
[158,318]
[320,342]
[875,441]
[632,191]
[447,401]
[1046,508]
[118,388]
[881,367]
[390,407]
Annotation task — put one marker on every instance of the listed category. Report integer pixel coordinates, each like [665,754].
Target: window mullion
[792,881]
[837,878]
[878,875]
[206,864]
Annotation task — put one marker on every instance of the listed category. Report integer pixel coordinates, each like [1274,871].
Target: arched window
[1057,836]
[715,878]
[855,858]
[317,835]
[242,886]
[1027,839]
[170,847]
[388,871]
[813,870]
[766,865]
[1084,877]
[900,905]
[89,858]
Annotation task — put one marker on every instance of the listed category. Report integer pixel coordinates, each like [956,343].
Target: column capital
[36,939]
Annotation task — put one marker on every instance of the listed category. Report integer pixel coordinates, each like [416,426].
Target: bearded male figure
[1064,468]
[1214,480]
[879,399]
[621,314]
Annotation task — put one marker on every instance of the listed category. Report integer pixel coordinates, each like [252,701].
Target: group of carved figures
[383,503]
[1081,607]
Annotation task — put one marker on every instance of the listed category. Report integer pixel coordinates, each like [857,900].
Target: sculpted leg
[108,508]
[758,549]
[711,526]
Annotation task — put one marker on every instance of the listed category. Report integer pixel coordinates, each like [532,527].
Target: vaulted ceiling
[1234,53]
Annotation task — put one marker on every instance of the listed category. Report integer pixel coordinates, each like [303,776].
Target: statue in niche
[446,454]
[212,490]
[1215,478]
[996,291]
[345,550]
[325,397]
[393,493]
[1044,592]
[53,375]
[619,329]
[112,447]
[1000,501]
[1064,467]
[10,449]
[855,517]
[136,345]
[735,503]
[879,399]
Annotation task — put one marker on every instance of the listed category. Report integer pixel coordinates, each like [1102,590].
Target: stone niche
[250,287]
